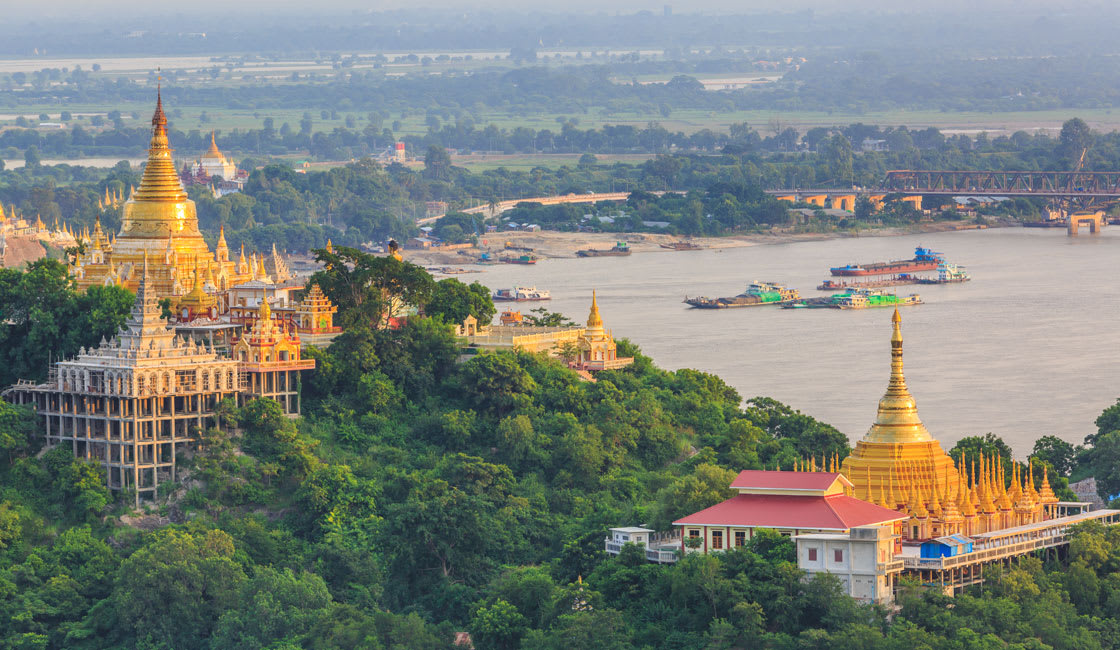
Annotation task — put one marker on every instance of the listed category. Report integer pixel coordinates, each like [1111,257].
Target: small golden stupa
[898,454]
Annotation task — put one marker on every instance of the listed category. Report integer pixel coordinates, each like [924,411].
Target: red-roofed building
[793,503]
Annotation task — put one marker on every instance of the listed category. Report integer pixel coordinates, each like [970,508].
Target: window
[740,537]
[717,539]
[812,555]
[695,532]
[838,555]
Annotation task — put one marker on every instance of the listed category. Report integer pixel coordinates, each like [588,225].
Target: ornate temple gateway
[160,221]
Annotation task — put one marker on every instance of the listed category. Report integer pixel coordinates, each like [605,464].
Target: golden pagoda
[157,219]
[898,444]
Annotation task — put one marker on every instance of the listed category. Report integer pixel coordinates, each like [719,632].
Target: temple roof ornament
[897,419]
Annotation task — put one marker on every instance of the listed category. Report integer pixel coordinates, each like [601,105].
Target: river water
[1026,349]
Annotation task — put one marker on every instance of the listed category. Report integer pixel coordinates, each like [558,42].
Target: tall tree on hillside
[369,288]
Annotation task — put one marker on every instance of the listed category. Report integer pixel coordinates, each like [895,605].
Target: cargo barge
[856,299]
[756,295]
[620,249]
[924,260]
[894,281]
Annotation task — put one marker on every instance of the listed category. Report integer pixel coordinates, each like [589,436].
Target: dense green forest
[423,495]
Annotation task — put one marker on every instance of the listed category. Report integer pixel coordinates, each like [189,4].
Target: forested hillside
[425,493]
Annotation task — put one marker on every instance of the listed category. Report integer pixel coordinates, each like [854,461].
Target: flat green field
[688,121]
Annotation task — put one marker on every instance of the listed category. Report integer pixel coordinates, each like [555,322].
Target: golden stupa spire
[867,495]
[160,182]
[330,247]
[897,420]
[882,496]
[213,151]
[593,319]
[1046,494]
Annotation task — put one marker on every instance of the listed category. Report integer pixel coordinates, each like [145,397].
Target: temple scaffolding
[134,403]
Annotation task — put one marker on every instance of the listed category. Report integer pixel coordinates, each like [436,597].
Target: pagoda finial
[593,319]
[897,420]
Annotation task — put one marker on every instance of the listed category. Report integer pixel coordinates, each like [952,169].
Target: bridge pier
[1094,219]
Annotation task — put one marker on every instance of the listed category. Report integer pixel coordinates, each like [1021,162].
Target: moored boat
[620,249]
[924,260]
[948,274]
[521,294]
[682,246]
[520,259]
[757,294]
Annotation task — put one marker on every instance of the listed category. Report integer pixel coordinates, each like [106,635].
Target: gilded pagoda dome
[898,440]
[159,209]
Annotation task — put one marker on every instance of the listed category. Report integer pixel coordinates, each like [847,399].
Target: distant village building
[134,403]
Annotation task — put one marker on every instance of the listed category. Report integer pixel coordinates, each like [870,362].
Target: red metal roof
[761,479]
[835,512]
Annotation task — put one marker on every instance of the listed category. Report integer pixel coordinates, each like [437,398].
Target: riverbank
[552,244]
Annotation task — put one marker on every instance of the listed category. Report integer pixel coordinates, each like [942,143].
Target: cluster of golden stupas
[899,465]
[158,220]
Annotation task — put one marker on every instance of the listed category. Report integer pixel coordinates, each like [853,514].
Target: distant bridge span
[502,206]
[1061,185]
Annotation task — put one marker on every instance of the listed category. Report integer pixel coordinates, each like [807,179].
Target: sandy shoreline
[551,244]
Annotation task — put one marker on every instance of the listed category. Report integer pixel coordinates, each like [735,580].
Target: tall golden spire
[593,319]
[897,420]
[160,181]
[213,151]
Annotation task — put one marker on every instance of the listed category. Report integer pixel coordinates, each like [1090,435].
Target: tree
[498,626]
[31,157]
[174,590]
[17,430]
[452,301]
[1075,138]
[437,163]
[367,288]
[1103,459]
[1055,452]
[274,606]
[541,317]
[496,383]
[602,629]
[707,486]
[838,158]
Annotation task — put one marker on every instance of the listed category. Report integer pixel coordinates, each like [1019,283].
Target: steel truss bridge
[1086,187]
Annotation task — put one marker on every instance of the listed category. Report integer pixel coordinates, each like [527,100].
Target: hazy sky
[106,9]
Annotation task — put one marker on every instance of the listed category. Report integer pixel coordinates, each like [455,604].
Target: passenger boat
[924,260]
[521,294]
[757,294]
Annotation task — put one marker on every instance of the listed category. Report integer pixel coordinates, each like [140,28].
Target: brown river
[1026,349]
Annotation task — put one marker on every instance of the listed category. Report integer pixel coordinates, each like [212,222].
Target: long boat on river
[893,281]
[924,260]
[856,299]
[756,295]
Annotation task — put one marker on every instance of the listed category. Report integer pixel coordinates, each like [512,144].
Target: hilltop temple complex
[898,504]
[135,402]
